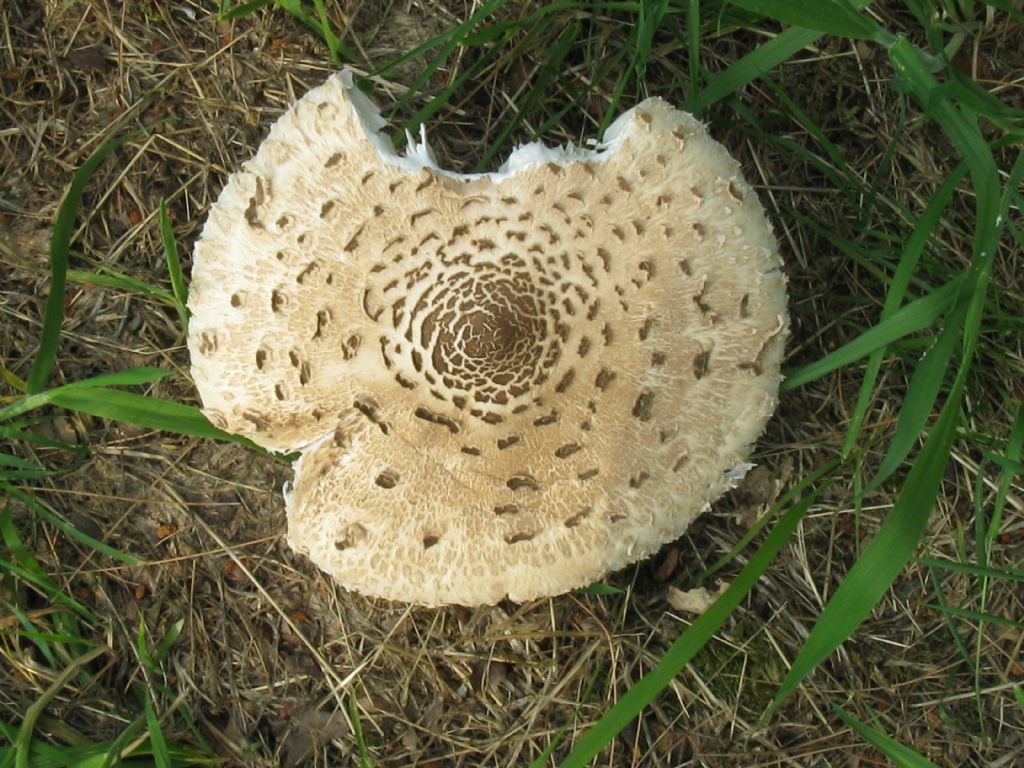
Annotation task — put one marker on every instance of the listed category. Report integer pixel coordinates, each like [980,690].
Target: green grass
[932,319]
[900,755]
[65,648]
[60,252]
[315,18]
[180,295]
[690,643]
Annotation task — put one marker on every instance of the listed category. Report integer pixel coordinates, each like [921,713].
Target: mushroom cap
[501,385]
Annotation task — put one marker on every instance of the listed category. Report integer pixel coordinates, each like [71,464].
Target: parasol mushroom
[501,385]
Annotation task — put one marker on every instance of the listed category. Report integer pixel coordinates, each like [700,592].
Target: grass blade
[763,520]
[901,755]
[898,536]
[357,730]
[883,558]
[15,383]
[1011,465]
[758,62]
[23,742]
[679,654]
[554,62]
[753,65]
[20,431]
[149,412]
[174,266]
[911,318]
[922,394]
[451,40]
[69,530]
[109,278]
[15,468]
[157,742]
[834,17]
[649,18]
[1006,7]
[909,259]
[167,641]
[60,251]
[131,377]
[693,45]
[28,568]
[977,616]
[8,460]
[242,10]
[962,129]
[974,570]
[459,33]
[339,51]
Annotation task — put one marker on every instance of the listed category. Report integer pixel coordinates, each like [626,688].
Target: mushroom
[501,385]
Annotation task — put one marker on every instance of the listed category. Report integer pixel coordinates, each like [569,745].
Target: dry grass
[270,649]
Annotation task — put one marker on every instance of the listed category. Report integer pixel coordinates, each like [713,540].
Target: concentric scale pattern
[501,385]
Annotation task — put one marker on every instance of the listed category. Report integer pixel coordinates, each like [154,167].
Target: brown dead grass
[270,649]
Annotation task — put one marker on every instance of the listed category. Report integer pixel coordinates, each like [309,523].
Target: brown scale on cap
[503,384]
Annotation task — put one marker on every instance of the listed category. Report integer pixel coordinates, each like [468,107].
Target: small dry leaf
[89,59]
[667,565]
[487,674]
[84,523]
[432,714]
[310,731]
[695,600]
